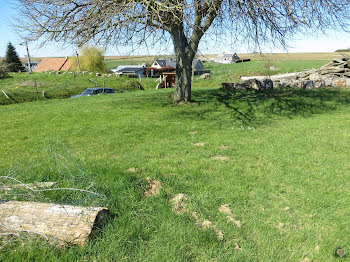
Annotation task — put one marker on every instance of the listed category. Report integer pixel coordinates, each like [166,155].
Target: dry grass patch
[154,187]
[225,209]
[221,158]
[179,204]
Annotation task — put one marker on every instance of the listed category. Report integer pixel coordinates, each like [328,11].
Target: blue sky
[328,43]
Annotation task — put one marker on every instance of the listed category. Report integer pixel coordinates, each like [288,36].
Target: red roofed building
[54,64]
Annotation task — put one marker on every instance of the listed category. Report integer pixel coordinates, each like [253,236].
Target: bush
[130,84]
[3,71]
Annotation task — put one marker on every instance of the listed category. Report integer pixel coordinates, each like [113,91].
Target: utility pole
[78,60]
[29,66]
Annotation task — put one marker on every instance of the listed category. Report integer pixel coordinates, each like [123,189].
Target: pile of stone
[263,84]
[336,73]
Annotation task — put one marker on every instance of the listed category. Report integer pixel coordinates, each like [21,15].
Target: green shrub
[3,71]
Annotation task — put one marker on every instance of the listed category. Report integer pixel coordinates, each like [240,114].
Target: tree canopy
[127,22]
[91,58]
[12,61]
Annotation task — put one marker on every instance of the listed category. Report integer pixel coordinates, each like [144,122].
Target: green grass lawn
[284,172]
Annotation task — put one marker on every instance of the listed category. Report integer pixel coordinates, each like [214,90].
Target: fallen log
[273,77]
[64,224]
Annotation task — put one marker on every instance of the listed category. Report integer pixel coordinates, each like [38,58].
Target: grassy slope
[22,86]
[296,156]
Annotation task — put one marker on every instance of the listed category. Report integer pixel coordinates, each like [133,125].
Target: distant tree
[12,61]
[185,22]
[343,50]
[91,58]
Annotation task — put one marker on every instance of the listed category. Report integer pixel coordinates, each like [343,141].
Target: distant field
[288,56]
[114,61]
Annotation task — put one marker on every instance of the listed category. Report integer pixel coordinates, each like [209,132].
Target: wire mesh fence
[64,207]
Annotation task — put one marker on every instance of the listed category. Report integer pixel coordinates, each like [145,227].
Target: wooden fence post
[36,89]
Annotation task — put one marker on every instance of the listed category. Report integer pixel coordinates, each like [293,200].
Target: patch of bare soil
[225,209]
[193,132]
[221,158]
[280,225]
[199,144]
[179,203]
[207,224]
[179,206]
[224,147]
[154,187]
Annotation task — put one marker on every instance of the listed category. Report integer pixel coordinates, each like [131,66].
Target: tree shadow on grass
[251,107]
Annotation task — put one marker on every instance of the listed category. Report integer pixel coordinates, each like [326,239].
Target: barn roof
[54,64]
[128,68]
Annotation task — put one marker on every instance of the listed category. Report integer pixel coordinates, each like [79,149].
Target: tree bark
[64,224]
[184,56]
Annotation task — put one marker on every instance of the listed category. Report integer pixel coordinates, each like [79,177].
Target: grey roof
[235,56]
[172,63]
[128,68]
[166,63]
[195,62]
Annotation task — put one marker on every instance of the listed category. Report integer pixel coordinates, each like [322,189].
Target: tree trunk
[184,56]
[183,77]
[63,224]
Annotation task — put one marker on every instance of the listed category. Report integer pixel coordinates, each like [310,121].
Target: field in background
[114,61]
[287,56]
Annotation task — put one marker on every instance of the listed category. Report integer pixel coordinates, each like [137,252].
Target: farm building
[163,63]
[33,65]
[197,65]
[54,64]
[130,70]
[226,58]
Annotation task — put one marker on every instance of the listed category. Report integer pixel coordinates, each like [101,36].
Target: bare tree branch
[129,22]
